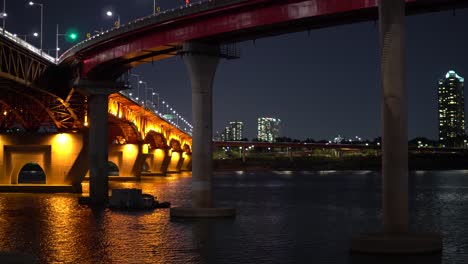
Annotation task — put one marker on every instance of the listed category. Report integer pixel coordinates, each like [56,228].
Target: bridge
[203,33]
[38,126]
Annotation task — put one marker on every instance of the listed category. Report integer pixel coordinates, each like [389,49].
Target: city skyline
[322,83]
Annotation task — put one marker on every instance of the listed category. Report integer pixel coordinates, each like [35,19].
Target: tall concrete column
[201,61]
[98,93]
[395,238]
[394,114]
[201,69]
[98,148]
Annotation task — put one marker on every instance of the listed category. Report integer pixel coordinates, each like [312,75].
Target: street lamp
[35,34]
[110,14]
[146,93]
[138,85]
[31,3]
[152,99]
[3,15]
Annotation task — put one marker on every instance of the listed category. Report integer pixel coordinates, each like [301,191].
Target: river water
[282,217]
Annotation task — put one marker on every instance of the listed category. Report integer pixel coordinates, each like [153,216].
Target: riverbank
[444,161]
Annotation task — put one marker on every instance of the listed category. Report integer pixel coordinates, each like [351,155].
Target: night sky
[320,85]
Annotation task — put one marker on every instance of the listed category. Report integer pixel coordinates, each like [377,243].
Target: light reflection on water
[283,217]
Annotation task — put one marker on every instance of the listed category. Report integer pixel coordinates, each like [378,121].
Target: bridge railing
[192,8]
[26,45]
[152,109]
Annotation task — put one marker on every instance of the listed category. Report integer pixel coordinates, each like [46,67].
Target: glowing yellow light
[159,154]
[5,113]
[144,149]
[62,142]
[130,149]
[63,138]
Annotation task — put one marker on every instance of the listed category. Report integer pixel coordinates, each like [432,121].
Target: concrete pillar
[395,238]
[394,117]
[187,165]
[201,69]
[201,61]
[98,148]
[138,164]
[98,92]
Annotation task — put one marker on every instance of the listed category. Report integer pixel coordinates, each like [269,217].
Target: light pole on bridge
[138,85]
[31,3]
[35,34]
[152,99]
[111,14]
[72,36]
[145,102]
[3,15]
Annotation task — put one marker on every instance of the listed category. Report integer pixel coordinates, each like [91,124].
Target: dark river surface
[282,217]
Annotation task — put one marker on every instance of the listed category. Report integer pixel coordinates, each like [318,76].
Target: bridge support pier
[201,61]
[98,93]
[396,237]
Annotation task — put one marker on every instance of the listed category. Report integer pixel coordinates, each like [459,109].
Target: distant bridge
[298,146]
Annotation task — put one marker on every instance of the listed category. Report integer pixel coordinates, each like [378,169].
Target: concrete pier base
[188,212]
[397,244]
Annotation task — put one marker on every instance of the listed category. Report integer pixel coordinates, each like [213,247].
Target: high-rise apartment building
[451,110]
[233,132]
[236,129]
[268,128]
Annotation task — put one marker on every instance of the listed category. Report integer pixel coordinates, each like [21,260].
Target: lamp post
[3,16]
[164,107]
[138,85]
[73,36]
[31,3]
[35,34]
[111,14]
[152,99]
[146,94]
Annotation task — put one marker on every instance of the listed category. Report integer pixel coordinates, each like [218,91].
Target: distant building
[236,130]
[451,110]
[268,128]
[233,132]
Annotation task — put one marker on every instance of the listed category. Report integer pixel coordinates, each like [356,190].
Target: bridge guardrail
[192,8]
[26,45]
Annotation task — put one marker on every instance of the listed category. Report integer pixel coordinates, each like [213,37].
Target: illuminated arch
[155,140]
[187,148]
[113,169]
[175,145]
[32,173]
[122,132]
